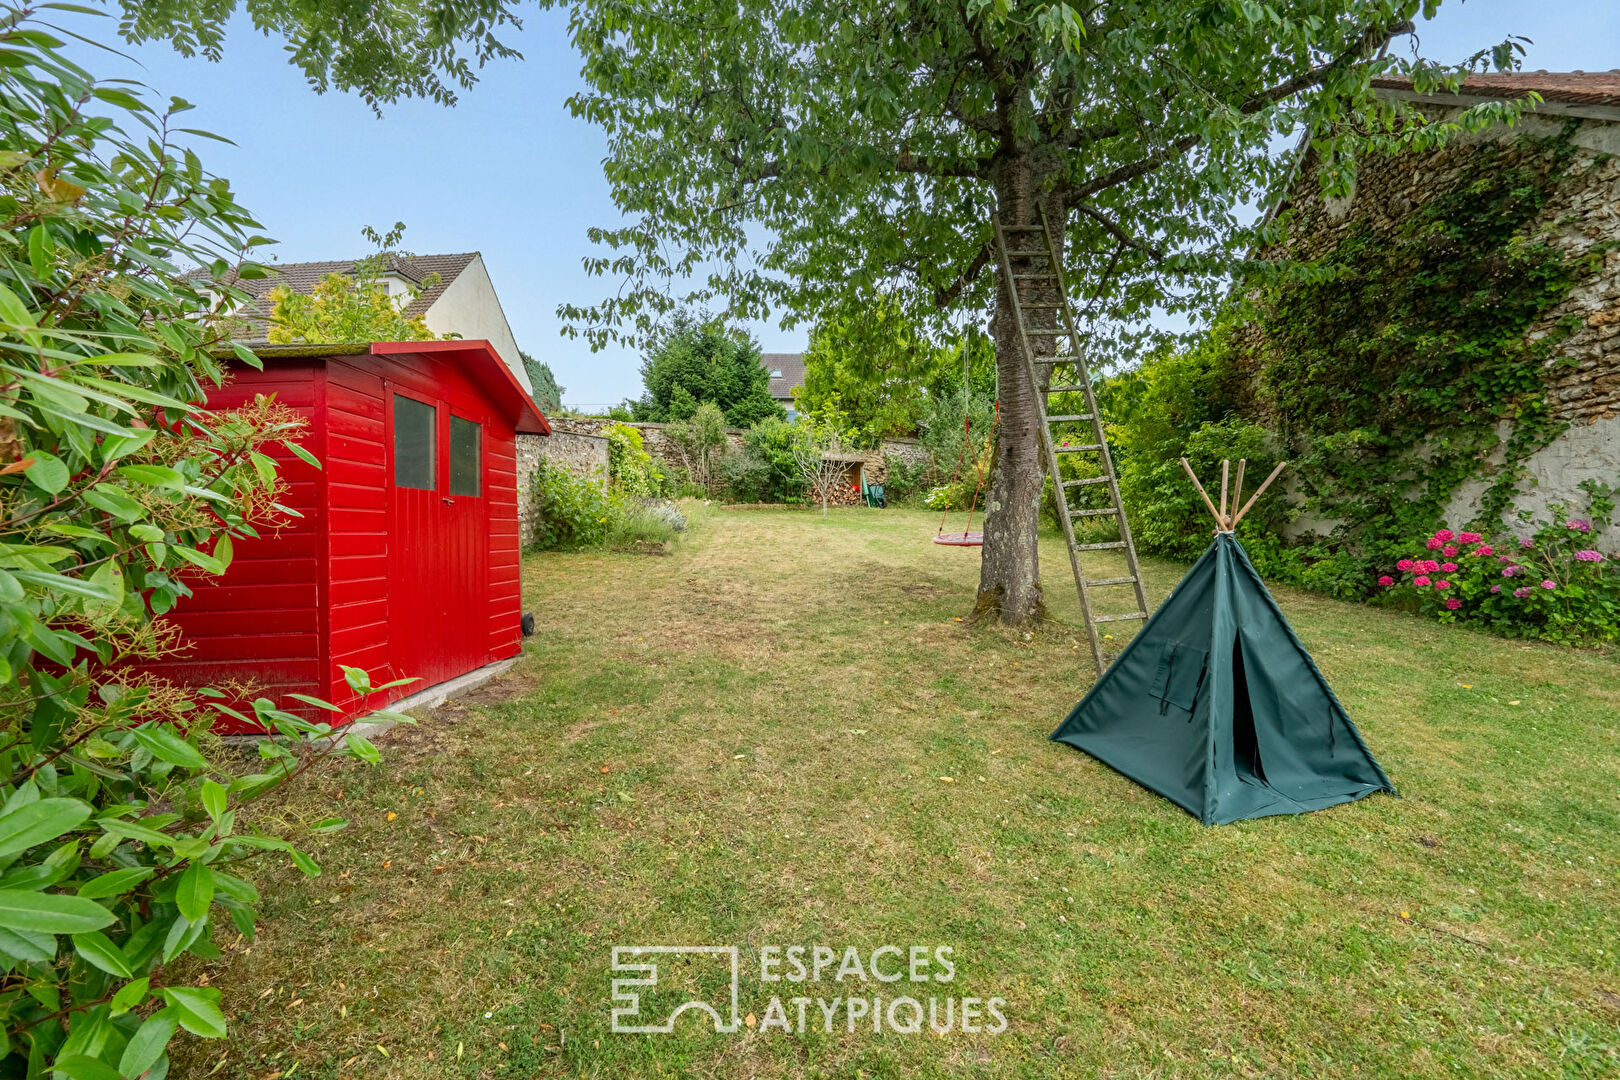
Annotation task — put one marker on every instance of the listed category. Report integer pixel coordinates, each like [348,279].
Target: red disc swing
[967,537]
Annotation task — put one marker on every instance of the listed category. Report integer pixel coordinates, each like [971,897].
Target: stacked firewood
[839,493]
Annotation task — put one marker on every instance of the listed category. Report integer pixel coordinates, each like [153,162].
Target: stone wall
[581,453]
[1583,372]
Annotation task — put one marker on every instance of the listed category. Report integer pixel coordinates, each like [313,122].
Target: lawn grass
[746,743]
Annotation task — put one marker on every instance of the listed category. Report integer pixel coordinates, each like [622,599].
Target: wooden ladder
[1042,288]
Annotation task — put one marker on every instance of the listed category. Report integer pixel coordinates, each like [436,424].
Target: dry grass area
[781,734]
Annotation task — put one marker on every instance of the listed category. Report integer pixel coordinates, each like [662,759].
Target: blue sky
[510,173]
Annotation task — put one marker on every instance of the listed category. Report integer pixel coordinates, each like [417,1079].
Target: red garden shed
[405,561]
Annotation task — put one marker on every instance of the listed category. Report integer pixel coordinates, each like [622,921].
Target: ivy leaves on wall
[1390,361]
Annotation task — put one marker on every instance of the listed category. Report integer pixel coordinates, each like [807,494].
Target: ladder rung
[1035,277]
[1075,389]
[1047,333]
[1100,547]
[1070,418]
[1084,482]
[1081,448]
[1025,305]
[1023,228]
[1040,253]
[1121,618]
[1092,513]
[1111,581]
[1054,360]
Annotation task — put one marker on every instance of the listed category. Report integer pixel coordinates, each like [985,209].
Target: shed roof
[478,358]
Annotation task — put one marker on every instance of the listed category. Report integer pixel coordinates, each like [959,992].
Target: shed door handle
[447,502]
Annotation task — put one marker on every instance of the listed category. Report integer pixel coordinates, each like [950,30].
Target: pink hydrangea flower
[1522,591]
[1496,588]
[1404,566]
[1453,604]
[1549,583]
[1468,538]
[1525,541]
[1435,543]
[1448,567]
[1483,550]
[1579,525]
[1430,566]
[1589,556]
[1449,550]
[1386,580]
[1510,571]
[1442,584]
[1444,535]
[1420,581]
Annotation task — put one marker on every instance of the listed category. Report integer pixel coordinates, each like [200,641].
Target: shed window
[413,443]
[464,462]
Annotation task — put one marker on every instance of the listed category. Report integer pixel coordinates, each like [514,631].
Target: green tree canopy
[346,308]
[816,157]
[383,50]
[547,394]
[696,359]
[877,365]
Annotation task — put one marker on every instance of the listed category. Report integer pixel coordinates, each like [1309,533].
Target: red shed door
[436,542]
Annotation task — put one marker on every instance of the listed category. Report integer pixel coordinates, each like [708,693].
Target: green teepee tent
[1217,706]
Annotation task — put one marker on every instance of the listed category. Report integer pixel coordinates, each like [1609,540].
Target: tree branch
[944,297]
[1117,232]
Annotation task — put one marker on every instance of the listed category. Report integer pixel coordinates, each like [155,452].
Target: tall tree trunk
[1010,573]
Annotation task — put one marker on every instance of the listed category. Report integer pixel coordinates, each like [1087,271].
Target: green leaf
[303,455]
[214,798]
[114,882]
[99,950]
[31,946]
[38,822]
[134,830]
[195,891]
[197,558]
[51,913]
[245,354]
[153,475]
[304,863]
[166,745]
[146,1046]
[197,1009]
[47,472]
[82,1067]
[129,996]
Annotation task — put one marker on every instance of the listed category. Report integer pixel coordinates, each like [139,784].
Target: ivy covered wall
[1453,350]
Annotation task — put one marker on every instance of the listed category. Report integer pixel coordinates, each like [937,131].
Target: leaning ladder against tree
[1035,284]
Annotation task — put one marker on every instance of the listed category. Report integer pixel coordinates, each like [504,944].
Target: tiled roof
[1567,87]
[791,365]
[303,277]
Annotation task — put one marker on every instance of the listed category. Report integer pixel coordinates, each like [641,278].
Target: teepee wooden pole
[1226,464]
[1237,489]
[1214,513]
[1280,466]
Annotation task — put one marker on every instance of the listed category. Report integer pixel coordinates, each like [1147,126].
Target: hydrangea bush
[1558,582]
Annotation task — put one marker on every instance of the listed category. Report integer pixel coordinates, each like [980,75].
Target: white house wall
[469,308]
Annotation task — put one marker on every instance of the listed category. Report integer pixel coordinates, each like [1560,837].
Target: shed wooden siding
[267,609]
[415,582]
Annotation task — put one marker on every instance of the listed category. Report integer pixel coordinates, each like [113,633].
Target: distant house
[460,302]
[786,370]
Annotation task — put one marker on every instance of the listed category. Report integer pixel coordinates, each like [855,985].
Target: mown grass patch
[782,734]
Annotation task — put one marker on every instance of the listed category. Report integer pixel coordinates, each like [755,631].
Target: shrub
[746,477]
[701,443]
[906,480]
[645,521]
[772,442]
[634,471]
[121,840]
[1554,584]
[571,511]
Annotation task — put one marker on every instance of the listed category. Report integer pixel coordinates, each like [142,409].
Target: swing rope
[967,538]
